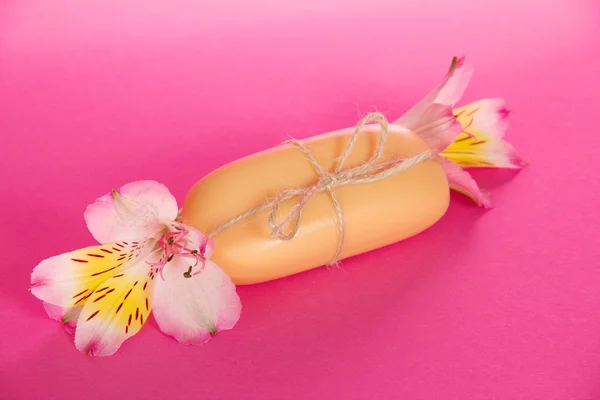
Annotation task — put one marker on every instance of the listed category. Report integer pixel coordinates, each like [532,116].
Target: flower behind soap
[148,262]
[469,136]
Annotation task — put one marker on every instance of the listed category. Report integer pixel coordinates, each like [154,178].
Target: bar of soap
[375,214]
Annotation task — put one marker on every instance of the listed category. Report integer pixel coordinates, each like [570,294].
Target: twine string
[369,171]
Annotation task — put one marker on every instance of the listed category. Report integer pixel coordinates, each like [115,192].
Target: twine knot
[370,171]
[328,181]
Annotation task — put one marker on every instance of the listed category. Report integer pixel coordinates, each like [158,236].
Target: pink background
[503,304]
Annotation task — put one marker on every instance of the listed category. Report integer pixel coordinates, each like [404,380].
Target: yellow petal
[116,311]
[70,279]
[480,144]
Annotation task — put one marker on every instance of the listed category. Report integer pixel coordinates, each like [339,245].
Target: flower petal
[134,212]
[69,279]
[481,145]
[196,308]
[438,127]
[68,316]
[198,240]
[115,312]
[432,117]
[461,181]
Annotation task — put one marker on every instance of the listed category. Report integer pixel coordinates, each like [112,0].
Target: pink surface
[500,304]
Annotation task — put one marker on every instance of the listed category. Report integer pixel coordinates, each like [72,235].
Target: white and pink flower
[147,262]
[470,136]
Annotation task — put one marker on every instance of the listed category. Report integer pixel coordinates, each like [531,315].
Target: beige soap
[375,214]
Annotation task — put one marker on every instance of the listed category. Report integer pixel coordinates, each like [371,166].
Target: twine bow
[370,171]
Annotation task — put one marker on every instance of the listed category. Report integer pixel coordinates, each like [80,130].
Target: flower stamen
[175,243]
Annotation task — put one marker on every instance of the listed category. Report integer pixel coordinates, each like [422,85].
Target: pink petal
[197,238]
[486,115]
[134,212]
[66,315]
[432,117]
[481,145]
[462,182]
[438,127]
[194,309]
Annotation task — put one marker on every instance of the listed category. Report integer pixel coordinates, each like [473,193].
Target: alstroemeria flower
[470,136]
[148,262]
